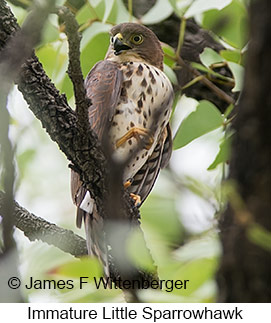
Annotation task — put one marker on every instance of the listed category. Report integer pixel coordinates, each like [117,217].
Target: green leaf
[223,155]
[205,119]
[170,74]
[66,87]
[161,232]
[119,13]
[209,57]
[260,236]
[54,60]
[86,267]
[230,23]
[197,272]
[168,50]
[167,228]
[160,11]
[200,6]
[108,8]
[238,74]
[50,33]
[85,14]
[206,246]
[94,46]
[180,6]
[138,251]
[99,7]
[95,29]
[231,55]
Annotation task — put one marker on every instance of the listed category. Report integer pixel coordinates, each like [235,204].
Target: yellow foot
[128,183]
[136,198]
[136,132]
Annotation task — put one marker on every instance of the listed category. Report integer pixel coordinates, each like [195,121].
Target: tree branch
[244,273]
[36,228]
[82,103]
[8,166]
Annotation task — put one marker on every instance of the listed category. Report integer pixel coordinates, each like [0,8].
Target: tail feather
[145,178]
[94,224]
[95,238]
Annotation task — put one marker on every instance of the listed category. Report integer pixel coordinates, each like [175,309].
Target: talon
[136,198]
[149,143]
[136,132]
[128,183]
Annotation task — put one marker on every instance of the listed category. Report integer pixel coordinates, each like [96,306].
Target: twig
[181,36]
[192,82]
[130,9]
[220,93]
[201,78]
[8,168]
[74,69]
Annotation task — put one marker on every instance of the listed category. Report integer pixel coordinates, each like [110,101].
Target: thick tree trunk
[245,272]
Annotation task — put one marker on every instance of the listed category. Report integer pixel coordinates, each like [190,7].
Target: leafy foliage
[205,119]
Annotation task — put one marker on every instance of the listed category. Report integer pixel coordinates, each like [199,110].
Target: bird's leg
[136,133]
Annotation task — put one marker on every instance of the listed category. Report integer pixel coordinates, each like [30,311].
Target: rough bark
[36,228]
[245,272]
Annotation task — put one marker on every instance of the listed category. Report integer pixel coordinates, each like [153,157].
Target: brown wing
[103,86]
[145,178]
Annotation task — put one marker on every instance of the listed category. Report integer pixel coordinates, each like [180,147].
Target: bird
[131,106]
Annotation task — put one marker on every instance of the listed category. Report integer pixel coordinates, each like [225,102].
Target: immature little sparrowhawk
[131,104]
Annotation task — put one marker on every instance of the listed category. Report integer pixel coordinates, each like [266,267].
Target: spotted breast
[145,103]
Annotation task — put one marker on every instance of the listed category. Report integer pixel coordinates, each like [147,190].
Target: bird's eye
[112,39]
[137,39]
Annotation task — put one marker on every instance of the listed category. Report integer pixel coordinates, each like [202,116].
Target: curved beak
[119,45]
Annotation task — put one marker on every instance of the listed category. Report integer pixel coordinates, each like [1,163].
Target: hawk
[131,106]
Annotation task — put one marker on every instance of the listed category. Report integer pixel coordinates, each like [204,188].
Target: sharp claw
[136,198]
[149,143]
[128,183]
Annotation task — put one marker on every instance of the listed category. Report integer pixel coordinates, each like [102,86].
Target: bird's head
[134,42]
